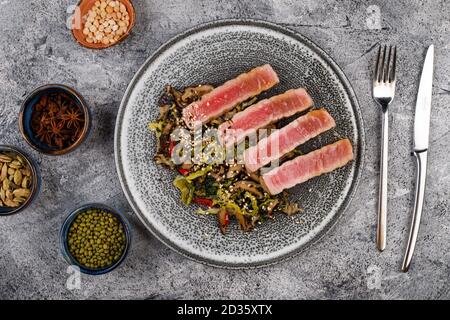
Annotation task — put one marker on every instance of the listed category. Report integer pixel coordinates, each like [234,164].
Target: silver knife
[421,138]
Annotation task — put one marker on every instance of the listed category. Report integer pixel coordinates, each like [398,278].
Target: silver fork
[383,94]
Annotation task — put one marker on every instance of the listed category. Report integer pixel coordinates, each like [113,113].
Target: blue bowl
[26,112]
[35,176]
[65,231]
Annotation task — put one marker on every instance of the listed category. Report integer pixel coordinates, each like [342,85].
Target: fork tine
[394,63]
[377,63]
[380,62]
[383,65]
[387,65]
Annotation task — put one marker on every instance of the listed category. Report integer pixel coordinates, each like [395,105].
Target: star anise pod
[73,118]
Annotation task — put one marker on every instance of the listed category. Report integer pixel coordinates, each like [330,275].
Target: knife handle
[382,192]
[421,173]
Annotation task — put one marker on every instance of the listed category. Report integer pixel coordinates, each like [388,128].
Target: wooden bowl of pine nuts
[100,24]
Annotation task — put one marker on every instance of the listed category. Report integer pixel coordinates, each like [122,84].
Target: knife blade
[420,151]
[423,104]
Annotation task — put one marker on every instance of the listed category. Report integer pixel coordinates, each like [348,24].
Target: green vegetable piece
[186,188]
[254,203]
[233,207]
[198,173]
[210,186]
[156,126]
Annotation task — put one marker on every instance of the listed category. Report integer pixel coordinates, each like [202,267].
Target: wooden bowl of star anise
[54,119]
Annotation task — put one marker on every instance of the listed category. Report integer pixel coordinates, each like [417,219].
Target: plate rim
[359,121]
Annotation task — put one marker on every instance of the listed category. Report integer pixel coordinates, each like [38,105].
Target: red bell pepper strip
[184,172]
[171,147]
[203,201]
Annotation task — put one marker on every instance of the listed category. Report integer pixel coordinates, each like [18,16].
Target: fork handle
[421,157]
[382,196]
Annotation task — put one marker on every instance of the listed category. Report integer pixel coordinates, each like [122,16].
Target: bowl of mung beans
[95,238]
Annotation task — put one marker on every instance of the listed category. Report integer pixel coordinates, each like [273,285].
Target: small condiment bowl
[26,112]
[83,8]
[35,183]
[65,232]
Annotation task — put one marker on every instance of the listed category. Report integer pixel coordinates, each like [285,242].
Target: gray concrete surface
[36,48]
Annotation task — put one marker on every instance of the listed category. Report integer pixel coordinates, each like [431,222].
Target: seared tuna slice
[308,166]
[264,113]
[228,95]
[288,138]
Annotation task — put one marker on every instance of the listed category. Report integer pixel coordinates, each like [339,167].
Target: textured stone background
[36,48]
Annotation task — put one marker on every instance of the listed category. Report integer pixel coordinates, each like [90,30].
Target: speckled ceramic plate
[214,53]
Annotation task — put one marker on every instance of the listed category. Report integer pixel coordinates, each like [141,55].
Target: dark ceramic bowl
[35,184]
[26,111]
[65,230]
